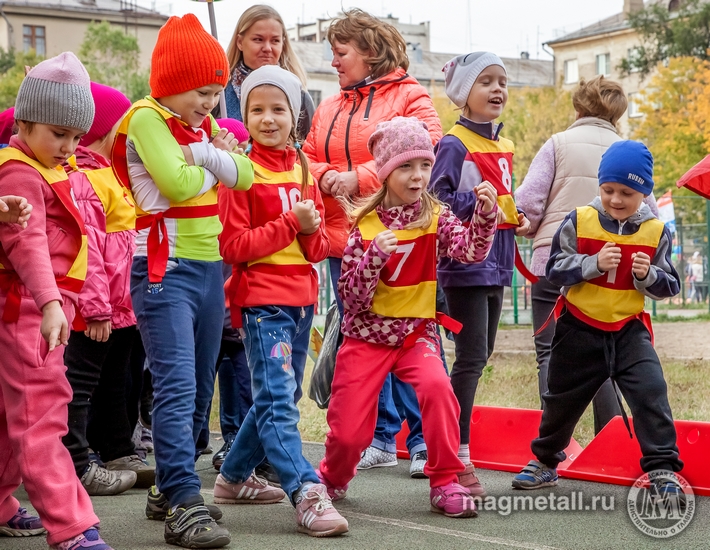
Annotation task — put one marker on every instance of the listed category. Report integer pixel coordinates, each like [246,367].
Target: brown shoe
[469,479]
[145,474]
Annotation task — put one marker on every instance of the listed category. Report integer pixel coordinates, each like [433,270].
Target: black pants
[139,387]
[478,308]
[98,415]
[544,296]
[584,357]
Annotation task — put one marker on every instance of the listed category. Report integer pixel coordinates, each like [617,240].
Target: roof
[99,7]
[521,72]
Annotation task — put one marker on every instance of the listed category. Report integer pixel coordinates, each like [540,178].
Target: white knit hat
[461,73]
[274,75]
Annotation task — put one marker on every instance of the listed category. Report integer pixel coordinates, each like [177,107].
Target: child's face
[268,117]
[193,106]
[52,145]
[407,182]
[620,201]
[488,96]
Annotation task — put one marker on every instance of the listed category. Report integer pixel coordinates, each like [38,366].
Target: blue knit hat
[629,163]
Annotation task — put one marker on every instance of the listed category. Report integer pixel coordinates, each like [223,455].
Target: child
[42,270]
[99,350]
[607,256]
[176,279]
[472,152]
[388,288]
[272,236]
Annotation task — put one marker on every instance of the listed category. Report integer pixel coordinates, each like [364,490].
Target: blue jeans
[276,343]
[180,323]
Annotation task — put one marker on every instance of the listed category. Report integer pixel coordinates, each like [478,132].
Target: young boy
[608,256]
[176,279]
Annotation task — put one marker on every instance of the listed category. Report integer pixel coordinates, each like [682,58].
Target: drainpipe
[10,30]
[548,52]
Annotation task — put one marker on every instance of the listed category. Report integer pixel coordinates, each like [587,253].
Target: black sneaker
[157,506]
[667,489]
[267,472]
[218,458]
[189,525]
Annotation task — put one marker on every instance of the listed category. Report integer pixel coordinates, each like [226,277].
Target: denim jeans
[181,326]
[276,343]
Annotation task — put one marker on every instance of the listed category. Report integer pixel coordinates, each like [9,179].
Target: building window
[634,105]
[604,64]
[33,38]
[571,71]
[316,96]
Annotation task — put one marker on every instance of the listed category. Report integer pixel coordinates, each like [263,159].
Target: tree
[666,34]
[112,57]
[12,77]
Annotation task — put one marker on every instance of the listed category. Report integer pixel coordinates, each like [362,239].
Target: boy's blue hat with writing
[629,163]
[461,73]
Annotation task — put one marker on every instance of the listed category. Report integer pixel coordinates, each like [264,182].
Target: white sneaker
[376,458]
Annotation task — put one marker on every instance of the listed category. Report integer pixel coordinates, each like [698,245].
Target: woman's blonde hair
[600,98]
[378,42]
[358,209]
[259,12]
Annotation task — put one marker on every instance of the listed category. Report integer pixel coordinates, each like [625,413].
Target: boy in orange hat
[176,278]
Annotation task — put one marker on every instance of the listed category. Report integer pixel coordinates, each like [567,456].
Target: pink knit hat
[235,126]
[398,141]
[111,105]
[7,121]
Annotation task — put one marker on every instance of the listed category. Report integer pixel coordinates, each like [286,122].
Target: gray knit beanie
[58,92]
[274,76]
[461,73]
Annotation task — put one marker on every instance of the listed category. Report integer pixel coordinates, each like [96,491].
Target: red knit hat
[186,57]
[111,105]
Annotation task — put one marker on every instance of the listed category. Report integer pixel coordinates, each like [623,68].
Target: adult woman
[260,39]
[562,177]
[371,59]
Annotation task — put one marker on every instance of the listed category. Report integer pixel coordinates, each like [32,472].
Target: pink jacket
[107,291]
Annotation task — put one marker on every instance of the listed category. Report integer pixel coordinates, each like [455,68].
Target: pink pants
[360,372]
[34,394]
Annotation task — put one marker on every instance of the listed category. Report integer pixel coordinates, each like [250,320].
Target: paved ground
[388,510]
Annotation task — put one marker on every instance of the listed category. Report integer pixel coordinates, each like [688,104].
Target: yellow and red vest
[610,301]
[73,280]
[407,285]
[494,160]
[202,206]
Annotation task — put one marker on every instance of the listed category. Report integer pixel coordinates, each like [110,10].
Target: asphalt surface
[388,510]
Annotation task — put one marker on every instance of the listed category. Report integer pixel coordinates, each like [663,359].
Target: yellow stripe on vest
[589,227]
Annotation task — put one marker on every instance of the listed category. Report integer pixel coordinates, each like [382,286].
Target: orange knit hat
[186,57]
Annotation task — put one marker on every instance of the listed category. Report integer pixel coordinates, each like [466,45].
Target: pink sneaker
[335,493]
[316,516]
[469,479]
[252,491]
[453,501]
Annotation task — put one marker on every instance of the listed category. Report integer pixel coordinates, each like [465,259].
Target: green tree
[112,57]
[666,34]
[7,60]
[12,77]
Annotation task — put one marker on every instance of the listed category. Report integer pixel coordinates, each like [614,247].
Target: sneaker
[22,524]
[94,457]
[219,456]
[316,515]
[252,491]
[146,438]
[469,479]
[452,500]
[667,490]
[189,525]
[88,539]
[157,506]
[266,471]
[535,476]
[207,450]
[416,466]
[335,493]
[376,458]
[99,481]
[145,473]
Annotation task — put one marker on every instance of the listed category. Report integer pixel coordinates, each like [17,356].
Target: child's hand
[327,180]
[54,328]
[226,141]
[524,227]
[486,193]
[15,210]
[308,216]
[641,265]
[609,257]
[98,331]
[386,241]
[189,158]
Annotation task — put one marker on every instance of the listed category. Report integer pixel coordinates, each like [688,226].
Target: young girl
[272,235]
[388,288]
[42,270]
